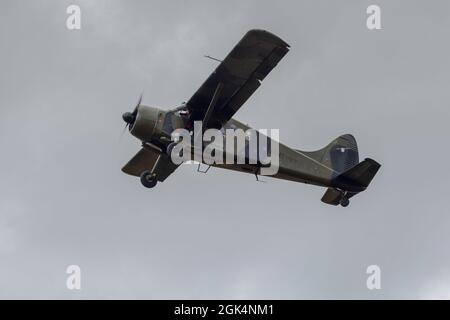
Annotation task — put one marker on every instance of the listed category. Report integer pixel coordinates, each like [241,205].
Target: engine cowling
[144,125]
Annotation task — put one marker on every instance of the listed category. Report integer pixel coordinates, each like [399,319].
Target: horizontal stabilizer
[359,177]
[351,182]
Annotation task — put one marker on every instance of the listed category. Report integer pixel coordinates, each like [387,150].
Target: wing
[236,78]
[158,163]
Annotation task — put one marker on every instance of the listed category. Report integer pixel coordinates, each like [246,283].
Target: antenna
[209,57]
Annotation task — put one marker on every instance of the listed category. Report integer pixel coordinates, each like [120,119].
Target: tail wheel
[148,180]
[344,202]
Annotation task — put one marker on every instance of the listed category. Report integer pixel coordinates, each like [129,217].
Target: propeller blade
[124,129]
[137,105]
[140,100]
[129,118]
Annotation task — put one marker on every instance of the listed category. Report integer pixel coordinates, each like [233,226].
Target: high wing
[146,159]
[236,78]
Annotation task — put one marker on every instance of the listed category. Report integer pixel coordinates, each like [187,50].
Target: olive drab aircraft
[335,167]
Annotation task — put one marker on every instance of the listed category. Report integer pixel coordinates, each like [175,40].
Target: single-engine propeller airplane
[235,79]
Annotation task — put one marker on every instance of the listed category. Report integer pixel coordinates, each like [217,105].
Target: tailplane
[359,177]
[351,182]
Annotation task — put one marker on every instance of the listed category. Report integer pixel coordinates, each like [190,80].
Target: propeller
[130,117]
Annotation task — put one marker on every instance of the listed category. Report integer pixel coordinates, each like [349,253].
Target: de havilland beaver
[235,79]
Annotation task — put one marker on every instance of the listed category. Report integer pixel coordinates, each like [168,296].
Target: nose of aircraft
[130,117]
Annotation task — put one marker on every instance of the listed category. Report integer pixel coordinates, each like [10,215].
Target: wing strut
[212,104]
[210,110]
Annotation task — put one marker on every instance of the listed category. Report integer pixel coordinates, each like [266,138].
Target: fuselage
[155,126]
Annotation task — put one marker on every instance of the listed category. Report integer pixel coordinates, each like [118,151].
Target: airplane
[335,167]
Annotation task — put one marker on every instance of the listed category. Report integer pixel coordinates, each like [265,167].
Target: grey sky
[221,235]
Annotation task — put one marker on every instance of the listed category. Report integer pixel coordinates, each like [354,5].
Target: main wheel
[345,202]
[148,180]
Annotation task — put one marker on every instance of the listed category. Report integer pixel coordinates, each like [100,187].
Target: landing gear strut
[148,180]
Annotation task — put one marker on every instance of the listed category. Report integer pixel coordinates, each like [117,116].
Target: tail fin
[340,155]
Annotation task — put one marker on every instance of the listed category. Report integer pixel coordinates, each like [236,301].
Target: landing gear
[344,202]
[148,180]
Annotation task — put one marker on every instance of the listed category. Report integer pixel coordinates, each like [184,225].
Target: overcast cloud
[65,201]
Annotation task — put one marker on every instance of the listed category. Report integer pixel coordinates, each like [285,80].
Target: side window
[167,126]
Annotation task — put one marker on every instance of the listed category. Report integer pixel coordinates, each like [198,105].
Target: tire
[345,202]
[148,180]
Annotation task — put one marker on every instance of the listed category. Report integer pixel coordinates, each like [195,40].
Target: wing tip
[269,35]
